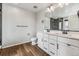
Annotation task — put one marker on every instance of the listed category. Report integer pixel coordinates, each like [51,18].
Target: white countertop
[71,35]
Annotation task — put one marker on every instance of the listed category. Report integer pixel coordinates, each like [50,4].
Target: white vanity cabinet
[59,46]
[65,48]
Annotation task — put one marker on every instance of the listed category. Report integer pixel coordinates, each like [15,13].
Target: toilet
[38,37]
[34,40]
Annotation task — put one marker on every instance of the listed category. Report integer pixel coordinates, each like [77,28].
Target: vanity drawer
[74,42]
[64,40]
[66,49]
[52,42]
[70,41]
[52,46]
[52,37]
[46,35]
[52,52]
[45,38]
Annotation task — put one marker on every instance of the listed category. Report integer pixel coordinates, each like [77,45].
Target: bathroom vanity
[62,39]
[57,44]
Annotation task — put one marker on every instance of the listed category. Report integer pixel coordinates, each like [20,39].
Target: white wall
[40,16]
[11,17]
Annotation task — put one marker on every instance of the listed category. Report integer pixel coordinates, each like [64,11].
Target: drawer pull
[52,43]
[52,52]
[68,44]
[44,40]
[57,46]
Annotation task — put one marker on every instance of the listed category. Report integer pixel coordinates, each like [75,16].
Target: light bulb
[66,4]
[60,5]
[52,8]
[48,9]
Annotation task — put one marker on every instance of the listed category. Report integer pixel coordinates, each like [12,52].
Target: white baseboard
[14,44]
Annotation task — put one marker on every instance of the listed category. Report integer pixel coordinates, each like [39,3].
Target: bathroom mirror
[70,23]
[69,14]
[73,23]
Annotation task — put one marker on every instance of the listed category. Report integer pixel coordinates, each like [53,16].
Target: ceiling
[29,6]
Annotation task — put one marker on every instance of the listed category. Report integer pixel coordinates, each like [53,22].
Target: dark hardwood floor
[23,50]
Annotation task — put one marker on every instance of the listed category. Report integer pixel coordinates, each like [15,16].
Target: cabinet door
[45,46]
[45,43]
[40,39]
[67,50]
[40,44]
[52,52]
[52,49]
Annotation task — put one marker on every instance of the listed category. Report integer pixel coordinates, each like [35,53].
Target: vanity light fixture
[52,7]
[60,5]
[48,9]
[63,4]
[66,4]
[16,3]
